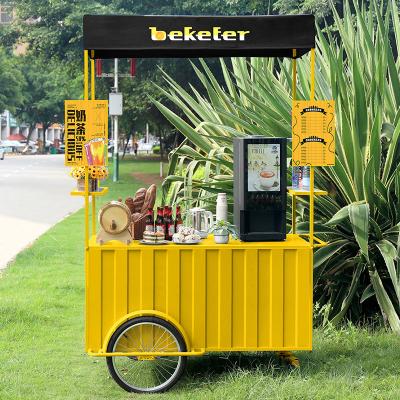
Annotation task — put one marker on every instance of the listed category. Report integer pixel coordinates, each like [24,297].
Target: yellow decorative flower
[94,172]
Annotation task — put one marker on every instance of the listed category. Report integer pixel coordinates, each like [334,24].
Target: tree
[139,107]
[11,83]
[53,29]
[47,86]
[319,8]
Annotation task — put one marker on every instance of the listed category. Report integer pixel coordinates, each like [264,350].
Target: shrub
[156,149]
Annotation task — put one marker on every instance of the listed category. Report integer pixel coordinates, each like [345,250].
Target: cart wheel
[146,374]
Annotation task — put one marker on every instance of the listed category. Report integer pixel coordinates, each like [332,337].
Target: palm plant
[358,66]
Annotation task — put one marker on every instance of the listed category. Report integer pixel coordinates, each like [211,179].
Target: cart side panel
[146,279]
[108,295]
[250,287]
[213,296]
[264,302]
[93,332]
[186,291]
[133,277]
[120,283]
[173,285]
[160,280]
[291,294]
[275,292]
[199,291]
[225,298]
[238,265]
[304,298]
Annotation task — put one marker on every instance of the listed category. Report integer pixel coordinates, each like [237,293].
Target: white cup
[222,207]
[267,178]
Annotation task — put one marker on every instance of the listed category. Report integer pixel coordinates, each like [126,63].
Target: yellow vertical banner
[86,132]
[313,133]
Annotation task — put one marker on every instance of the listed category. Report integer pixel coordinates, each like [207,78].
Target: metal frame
[88,194]
[312,240]
[312,192]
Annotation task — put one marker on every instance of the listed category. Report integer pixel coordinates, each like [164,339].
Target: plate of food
[150,237]
[154,243]
[186,235]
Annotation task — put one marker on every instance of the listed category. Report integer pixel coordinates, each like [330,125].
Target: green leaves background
[358,66]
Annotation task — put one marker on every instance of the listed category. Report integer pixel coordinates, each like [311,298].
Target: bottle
[296,177]
[178,218]
[306,178]
[149,221]
[160,221]
[222,207]
[166,219]
[170,224]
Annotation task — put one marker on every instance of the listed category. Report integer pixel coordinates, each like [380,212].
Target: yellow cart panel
[231,297]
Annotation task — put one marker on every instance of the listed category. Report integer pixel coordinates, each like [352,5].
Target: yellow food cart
[149,307]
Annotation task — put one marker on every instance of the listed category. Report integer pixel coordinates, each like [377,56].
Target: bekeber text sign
[119,36]
[86,132]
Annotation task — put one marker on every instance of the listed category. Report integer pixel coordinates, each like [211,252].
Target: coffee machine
[260,188]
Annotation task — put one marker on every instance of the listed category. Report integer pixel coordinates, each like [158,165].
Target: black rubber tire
[165,324]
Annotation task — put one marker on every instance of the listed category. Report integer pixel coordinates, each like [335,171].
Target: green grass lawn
[41,339]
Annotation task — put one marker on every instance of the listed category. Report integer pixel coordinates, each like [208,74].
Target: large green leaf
[324,253]
[359,218]
[340,216]
[390,255]
[384,301]
[367,293]
[350,295]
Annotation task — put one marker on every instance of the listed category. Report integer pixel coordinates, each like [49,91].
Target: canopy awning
[125,36]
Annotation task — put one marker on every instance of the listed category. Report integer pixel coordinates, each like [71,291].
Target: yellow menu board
[313,133]
[86,132]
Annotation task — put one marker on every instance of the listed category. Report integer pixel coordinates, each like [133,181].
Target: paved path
[34,195]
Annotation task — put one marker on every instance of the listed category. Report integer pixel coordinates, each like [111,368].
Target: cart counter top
[291,242]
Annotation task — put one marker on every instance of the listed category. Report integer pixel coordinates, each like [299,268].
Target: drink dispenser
[260,188]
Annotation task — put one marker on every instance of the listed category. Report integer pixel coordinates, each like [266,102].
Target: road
[34,195]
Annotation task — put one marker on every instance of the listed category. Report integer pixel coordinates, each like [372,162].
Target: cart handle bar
[147,354]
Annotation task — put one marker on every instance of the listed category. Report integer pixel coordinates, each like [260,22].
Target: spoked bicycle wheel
[147,374]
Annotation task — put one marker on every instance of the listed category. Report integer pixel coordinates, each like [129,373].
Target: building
[6,13]
[9,127]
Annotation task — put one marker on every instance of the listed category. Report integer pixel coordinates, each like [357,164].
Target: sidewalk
[34,195]
[16,234]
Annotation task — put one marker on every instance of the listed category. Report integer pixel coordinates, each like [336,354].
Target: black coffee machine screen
[260,188]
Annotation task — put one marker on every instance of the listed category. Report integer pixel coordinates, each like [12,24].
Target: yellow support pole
[294,212]
[294,84]
[93,97]
[312,206]
[312,97]
[294,74]
[86,97]
[312,86]
[86,75]
[93,78]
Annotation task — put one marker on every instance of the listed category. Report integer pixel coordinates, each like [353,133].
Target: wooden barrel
[114,217]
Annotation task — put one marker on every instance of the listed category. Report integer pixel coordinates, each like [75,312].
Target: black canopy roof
[125,36]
